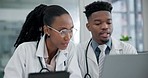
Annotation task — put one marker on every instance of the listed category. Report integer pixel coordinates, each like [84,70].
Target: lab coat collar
[116,44]
[41,52]
[116,47]
[91,55]
[41,46]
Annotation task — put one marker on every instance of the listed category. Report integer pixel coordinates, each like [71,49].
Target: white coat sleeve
[15,67]
[73,67]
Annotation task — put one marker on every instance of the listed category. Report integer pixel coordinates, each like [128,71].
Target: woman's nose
[68,36]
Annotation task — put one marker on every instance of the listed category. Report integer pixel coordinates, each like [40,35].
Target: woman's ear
[46,29]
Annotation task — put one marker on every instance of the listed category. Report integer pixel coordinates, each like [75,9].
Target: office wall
[84,33]
[145,17]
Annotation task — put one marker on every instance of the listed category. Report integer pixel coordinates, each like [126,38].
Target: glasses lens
[74,31]
[64,32]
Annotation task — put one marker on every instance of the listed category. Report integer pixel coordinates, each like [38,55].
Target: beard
[104,41]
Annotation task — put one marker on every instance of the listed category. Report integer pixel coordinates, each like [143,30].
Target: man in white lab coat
[99,24]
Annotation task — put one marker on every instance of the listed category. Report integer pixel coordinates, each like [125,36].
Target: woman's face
[60,31]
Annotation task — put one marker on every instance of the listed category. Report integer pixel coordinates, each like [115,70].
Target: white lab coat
[25,60]
[118,47]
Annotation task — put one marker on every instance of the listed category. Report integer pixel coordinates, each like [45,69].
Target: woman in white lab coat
[99,24]
[44,42]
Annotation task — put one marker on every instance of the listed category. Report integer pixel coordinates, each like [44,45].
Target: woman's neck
[52,50]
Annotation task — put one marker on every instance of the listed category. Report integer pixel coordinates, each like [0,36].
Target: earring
[48,35]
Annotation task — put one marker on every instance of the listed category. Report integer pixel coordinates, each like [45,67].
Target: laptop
[126,66]
[57,74]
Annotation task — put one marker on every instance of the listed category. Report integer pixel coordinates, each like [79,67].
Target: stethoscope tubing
[87,73]
[43,68]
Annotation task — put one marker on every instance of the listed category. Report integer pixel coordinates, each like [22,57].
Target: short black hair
[32,29]
[97,6]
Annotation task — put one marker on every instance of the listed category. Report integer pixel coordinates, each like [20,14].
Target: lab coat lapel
[40,50]
[61,60]
[91,55]
[116,47]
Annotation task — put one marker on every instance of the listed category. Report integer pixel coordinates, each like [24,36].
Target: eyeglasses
[64,32]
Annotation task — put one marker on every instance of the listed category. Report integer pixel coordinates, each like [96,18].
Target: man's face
[100,26]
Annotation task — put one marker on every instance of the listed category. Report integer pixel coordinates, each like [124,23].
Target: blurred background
[129,19]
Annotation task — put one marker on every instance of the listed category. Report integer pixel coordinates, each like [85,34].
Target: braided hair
[42,15]
[97,6]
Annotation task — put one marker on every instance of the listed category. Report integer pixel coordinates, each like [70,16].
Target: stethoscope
[87,73]
[43,68]
[87,70]
[46,69]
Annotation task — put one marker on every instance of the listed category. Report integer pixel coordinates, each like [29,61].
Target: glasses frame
[60,32]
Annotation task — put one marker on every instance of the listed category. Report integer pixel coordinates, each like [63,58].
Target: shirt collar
[42,49]
[46,52]
[94,44]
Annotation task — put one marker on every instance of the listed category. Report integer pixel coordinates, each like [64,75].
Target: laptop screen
[126,66]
